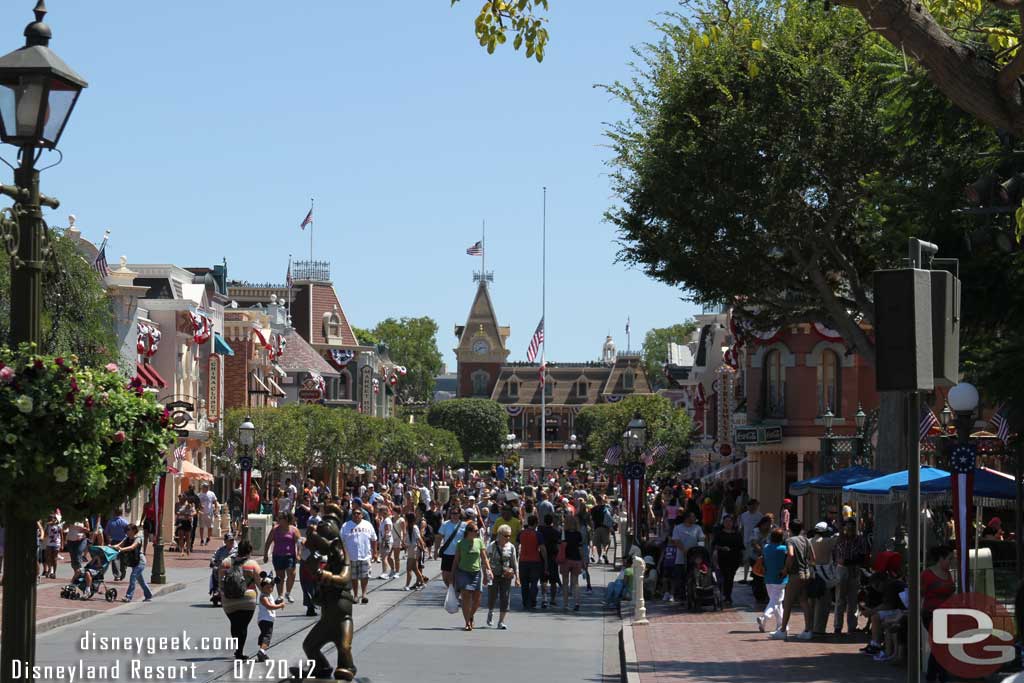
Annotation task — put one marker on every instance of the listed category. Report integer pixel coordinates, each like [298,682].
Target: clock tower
[481,351]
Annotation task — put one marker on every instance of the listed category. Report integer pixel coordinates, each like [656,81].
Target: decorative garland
[613,398]
[340,357]
[202,327]
[277,349]
[827,333]
[514,411]
[149,340]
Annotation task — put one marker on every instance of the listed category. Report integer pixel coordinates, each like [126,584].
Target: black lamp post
[633,469]
[37,93]
[246,439]
[834,446]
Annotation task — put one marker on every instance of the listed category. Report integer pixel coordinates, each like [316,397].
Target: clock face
[480,347]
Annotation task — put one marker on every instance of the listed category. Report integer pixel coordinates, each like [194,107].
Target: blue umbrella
[890,487]
[991,489]
[832,482]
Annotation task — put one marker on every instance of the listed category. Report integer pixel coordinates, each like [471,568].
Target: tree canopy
[77,315]
[479,424]
[771,159]
[655,349]
[412,343]
[519,18]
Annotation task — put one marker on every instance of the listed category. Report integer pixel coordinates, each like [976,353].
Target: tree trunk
[970,82]
[890,456]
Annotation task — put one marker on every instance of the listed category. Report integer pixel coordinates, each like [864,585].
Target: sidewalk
[680,647]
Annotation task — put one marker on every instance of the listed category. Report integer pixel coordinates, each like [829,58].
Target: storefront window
[828,383]
[774,385]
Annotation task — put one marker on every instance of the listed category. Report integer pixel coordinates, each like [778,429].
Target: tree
[479,424]
[498,18]
[77,315]
[365,337]
[768,164]
[412,343]
[655,349]
[601,426]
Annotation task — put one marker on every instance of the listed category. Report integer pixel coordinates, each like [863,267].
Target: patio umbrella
[889,488]
[832,482]
[991,488]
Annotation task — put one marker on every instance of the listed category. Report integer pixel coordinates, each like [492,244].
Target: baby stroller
[701,581]
[102,555]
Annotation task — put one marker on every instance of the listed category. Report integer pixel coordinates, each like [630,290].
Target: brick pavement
[679,647]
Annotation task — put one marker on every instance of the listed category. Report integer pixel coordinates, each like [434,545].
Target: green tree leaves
[479,424]
[655,349]
[412,342]
[601,427]
[520,18]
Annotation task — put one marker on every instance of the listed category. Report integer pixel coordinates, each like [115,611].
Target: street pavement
[399,635]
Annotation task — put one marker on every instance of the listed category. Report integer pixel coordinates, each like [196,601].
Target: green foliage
[303,437]
[412,342]
[365,337]
[75,437]
[655,349]
[479,424]
[771,159]
[499,19]
[601,426]
[77,315]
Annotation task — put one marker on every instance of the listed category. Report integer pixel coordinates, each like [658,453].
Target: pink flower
[111,367]
[119,436]
[37,364]
[58,361]
[6,375]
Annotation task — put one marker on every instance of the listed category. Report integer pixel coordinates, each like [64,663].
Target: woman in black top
[727,544]
[573,565]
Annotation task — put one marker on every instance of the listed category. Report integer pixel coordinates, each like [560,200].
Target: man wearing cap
[373,497]
[360,540]
[222,553]
[450,534]
[513,522]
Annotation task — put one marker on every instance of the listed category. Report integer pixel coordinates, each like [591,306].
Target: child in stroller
[89,579]
[701,581]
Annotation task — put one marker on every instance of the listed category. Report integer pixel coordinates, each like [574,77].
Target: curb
[44,625]
[627,650]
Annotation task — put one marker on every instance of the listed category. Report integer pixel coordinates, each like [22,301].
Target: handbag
[758,568]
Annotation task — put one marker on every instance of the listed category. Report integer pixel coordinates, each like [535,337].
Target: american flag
[962,461]
[100,264]
[654,453]
[261,450]
[611,456]
[476,250]
[179,455]
[928,420]
[535,342]
[231,449]
[308,220]
[288,277]
[1000,421]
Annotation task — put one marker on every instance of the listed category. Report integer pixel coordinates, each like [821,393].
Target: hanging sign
[213,395]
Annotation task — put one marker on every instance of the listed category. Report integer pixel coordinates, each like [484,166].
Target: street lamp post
[633,470]
[833,446]
[511,449]
[571,447]
[37,93]
[246,439]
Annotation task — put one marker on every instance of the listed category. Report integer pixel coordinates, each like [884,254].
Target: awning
[275,389]
[221,346]
[149,375]
[736,470]
[279,370]
[256,385]
[190,471]
[833,482]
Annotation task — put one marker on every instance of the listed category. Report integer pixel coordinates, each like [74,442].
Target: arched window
[480,381]
[628,379]
[828,383]
[774,385]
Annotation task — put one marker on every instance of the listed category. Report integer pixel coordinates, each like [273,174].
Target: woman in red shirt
[937,586]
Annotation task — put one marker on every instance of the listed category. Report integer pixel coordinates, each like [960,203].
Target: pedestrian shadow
[831,667]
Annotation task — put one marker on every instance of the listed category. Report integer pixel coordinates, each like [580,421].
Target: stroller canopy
[106,551]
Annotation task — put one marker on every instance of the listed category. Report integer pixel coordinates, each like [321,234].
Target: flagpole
[311,221]
[483,251]
[544,340]
[289,283]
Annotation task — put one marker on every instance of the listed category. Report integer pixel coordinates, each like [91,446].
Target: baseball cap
[229,536]
[357,501]
[469,512]
[821,527]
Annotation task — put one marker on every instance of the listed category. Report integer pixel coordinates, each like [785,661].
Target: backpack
[234,583]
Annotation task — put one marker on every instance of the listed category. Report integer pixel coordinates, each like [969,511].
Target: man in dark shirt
[551,537]
[600,515]
[887,590]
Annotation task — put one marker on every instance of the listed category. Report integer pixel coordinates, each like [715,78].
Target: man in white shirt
[748,525]
[360,540]
[207,509]
[685,536]
[425,496]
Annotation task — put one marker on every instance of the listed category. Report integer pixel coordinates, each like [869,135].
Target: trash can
[443,494]
[259,527]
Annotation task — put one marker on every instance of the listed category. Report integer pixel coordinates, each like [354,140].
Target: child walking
[265,621]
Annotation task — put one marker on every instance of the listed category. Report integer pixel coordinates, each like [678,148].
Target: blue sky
[207,127]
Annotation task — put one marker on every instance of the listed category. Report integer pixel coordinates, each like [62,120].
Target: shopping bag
[451,600]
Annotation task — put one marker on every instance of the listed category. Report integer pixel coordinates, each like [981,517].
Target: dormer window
[512,388]
[581,389]
[549,389]
[628,379]
[332,324]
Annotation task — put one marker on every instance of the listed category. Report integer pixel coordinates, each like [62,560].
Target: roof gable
[327,315]
[482,322]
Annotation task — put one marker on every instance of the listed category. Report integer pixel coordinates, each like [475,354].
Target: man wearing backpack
[238,592]
[601,517]
[451,533]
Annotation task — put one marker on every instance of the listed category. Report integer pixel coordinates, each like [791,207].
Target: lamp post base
[159,574]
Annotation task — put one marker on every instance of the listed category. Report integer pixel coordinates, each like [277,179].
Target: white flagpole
[289,284]
[312,219]
[483,251]
[544,342]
